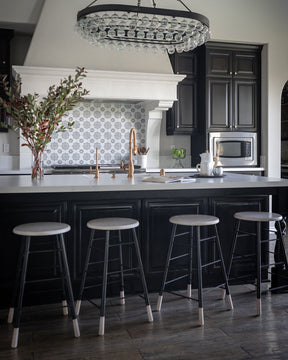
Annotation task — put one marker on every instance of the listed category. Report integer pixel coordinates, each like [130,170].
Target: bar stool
[192,221]
[28,231]
[258,217]
[107,225]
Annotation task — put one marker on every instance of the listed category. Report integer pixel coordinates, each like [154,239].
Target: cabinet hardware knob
[177,126]
[230,126]
[236,126]
[231,73]
[4,62]
[236,73]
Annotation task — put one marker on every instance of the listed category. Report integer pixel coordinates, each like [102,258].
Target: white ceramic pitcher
[205,168]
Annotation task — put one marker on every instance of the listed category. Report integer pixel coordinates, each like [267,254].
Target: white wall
[249,21]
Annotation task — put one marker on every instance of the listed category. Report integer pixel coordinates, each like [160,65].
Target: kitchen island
[75,199]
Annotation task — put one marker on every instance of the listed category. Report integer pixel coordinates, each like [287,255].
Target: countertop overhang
[87,183]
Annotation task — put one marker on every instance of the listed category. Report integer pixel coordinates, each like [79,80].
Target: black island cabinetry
[151,208]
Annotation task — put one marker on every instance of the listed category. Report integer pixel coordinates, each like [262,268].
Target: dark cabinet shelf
[181,119]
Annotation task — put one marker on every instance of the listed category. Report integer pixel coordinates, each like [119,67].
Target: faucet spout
[130,164]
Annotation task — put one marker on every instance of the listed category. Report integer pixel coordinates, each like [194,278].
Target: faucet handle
[135,150]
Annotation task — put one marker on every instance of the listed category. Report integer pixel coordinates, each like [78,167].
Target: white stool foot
[230,302]
[101,325]
[76,328]
[259,307]
[201,316]
[15,336]
[65,307]
[189,290]
[122,297]
[159,302]
[10,315]
[77,307]
[149,313]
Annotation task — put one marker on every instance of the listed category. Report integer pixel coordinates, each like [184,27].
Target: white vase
[142,161]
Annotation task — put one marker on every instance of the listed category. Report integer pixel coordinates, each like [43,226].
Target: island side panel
[151,208]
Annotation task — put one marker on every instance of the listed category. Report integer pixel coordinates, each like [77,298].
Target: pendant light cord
[184,5]
[153,4]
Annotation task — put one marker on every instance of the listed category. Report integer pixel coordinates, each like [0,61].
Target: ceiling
[20,15]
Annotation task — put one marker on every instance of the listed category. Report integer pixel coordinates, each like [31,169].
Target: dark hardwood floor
[45,334]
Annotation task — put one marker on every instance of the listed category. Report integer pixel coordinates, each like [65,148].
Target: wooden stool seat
[41,229]
[112,224]
[194,220]
[258,216]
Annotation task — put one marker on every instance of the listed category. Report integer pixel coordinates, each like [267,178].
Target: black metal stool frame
[190,269]
[19,287]
[259,265]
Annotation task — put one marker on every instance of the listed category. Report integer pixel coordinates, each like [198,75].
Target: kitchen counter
[76,199]
[48,171]
[87,183]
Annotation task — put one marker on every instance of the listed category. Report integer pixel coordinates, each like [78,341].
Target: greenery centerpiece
[37,118]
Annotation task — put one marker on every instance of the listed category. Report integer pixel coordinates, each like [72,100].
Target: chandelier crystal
[151,28]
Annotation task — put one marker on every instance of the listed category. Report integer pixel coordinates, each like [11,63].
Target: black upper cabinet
[5,67]
[232,87]
[181,119]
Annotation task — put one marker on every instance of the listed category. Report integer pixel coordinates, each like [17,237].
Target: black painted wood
[151,208]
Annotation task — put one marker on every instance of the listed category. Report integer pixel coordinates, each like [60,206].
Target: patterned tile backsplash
[102,125]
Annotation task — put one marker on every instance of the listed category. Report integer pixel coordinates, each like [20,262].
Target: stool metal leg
[189,285]
[259,305]
[18,309]
[104,286]
[171,243]
[122,294]
[64,301]
[17,282]
[145,290]
[70,299]
[199,265]
[84,274]
[223,269]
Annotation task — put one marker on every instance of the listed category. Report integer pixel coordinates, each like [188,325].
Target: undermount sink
[85,169]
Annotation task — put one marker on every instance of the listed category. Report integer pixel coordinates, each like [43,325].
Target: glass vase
[37,164]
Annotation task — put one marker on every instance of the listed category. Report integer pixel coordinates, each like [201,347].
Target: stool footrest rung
[181,234]
[181,295]
[42,280]
[208,238]
[124,270]
[211,263]
[122,244]
[245,233]
[178,256]
[176,279]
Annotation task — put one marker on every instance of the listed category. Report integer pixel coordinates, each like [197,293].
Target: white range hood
[156,91]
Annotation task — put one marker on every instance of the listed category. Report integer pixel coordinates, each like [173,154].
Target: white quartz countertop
[87,183]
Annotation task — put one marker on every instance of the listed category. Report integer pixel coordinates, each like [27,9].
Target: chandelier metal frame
[128,26]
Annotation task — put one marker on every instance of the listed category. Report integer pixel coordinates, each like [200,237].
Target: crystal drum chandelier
[137,27]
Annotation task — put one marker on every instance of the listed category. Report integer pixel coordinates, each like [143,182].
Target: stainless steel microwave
[234,148]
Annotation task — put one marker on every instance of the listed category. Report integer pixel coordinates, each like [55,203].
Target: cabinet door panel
[245,112]
[219,104]
[219,62]
[245,65]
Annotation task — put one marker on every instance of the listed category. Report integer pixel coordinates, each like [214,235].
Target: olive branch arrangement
[37,119]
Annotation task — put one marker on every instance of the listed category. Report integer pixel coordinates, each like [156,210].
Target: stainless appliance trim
[242,136]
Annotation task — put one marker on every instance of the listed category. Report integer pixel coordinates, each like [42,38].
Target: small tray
[208,176]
